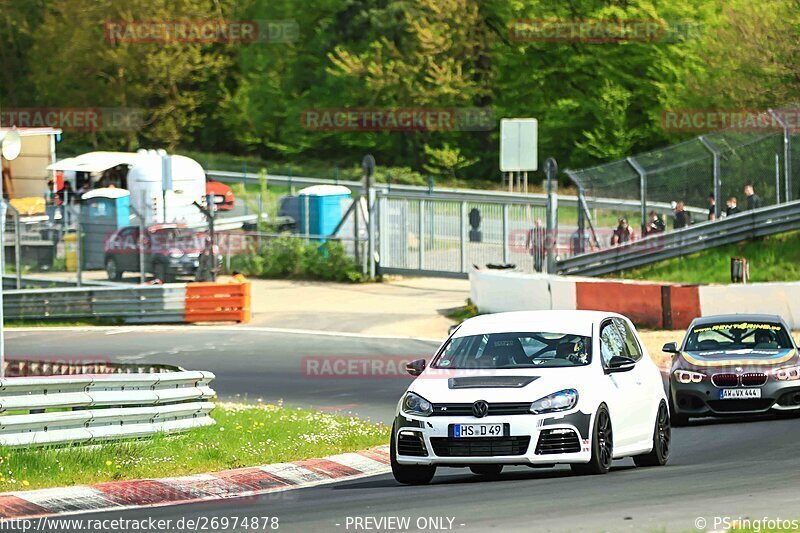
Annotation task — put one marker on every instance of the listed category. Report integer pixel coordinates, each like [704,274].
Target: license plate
[477,430]
[739,394]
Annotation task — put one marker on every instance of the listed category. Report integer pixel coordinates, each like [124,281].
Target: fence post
[421,234]
[17,245]
[717,178]
[505,234]
[778,179]
[642,191]
[78,251]
[787,155]
[463,236]
[371,230]
[551,237]
[581,222]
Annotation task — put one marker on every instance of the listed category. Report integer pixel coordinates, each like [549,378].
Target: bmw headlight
[414,404]
[791,373]
[558,401]
[686,376]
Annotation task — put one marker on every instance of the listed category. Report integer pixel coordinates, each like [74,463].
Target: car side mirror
[670,347]
[415,368]
[620,363]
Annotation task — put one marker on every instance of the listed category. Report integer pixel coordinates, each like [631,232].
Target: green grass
[774,258]
[460,314]
[244,435]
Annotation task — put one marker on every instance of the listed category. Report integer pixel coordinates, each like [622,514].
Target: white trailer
[163,187]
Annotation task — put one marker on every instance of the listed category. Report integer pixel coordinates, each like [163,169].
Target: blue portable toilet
[322,208]
[103,211]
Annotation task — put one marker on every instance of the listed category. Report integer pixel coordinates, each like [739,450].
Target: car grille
[477,382]
[495,409]
[480,446]
[754,379]
[725,380]
[740,406]
[411,444]
[558,441]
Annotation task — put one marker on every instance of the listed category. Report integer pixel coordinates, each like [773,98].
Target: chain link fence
[705,175]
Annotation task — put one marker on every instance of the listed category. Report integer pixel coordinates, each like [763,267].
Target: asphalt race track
[743,468]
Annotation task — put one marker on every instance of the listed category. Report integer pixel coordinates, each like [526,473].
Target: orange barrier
[650,304]
[217,302]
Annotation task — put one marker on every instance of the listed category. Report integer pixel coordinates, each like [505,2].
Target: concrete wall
[649,304]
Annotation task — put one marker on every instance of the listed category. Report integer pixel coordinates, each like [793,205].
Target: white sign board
[518,144]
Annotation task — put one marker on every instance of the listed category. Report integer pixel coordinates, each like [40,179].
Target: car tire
[602,446]
[112,269]
[487,470]
[161,272]
[408,474]
[662,437]
[677,419]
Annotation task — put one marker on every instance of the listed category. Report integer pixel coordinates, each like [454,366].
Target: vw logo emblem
[480,408]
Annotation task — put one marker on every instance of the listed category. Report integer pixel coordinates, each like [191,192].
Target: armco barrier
[220,302]
[173,302]
[95,408]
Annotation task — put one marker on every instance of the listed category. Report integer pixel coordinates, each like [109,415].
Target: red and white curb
[242,482]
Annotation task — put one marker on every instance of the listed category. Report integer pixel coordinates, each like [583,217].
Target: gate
[435,234]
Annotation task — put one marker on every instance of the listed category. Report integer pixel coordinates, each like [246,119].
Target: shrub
[291,257]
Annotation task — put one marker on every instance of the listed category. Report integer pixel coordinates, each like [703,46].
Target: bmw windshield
[515,350]
[738,336]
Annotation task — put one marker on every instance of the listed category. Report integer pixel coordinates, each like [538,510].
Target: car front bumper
[703,399]
[528,440]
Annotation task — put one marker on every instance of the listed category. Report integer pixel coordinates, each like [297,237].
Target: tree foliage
[594,101]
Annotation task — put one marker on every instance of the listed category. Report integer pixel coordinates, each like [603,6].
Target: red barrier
[653,305]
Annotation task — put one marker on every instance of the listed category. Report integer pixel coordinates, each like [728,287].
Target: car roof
[572,322]
[736,317]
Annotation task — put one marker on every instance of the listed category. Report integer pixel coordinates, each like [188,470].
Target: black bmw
[734,364]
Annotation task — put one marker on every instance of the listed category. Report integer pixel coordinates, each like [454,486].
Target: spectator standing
[732,207]
[655,224]
[753,200]
[683,219]
[536,243]
[623,233]
[712,207]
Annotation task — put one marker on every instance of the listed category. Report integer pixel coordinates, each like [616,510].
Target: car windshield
[515,350]
[738,336]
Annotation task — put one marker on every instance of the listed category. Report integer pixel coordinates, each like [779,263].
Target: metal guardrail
[132,304]
[747,225]
[458,195]
[92,408]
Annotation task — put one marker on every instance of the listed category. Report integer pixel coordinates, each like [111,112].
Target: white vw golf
[534,388]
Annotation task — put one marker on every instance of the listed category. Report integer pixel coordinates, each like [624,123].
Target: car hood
[507,385]
[746,357]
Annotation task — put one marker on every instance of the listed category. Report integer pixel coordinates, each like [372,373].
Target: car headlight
[791,373]
[686,376]
[558,401]
[414,404]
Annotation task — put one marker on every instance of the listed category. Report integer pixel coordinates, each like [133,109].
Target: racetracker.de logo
[201,31]
[360,367]
[749,120]
[601,30]
[399,119]
[74,118]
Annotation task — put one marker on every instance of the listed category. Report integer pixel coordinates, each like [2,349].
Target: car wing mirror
[670,347]
[620,363]
[415,368]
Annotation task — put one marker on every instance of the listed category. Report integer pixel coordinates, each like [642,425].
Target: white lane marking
[293,473]
[67,499]
[358,462]
[116,330]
